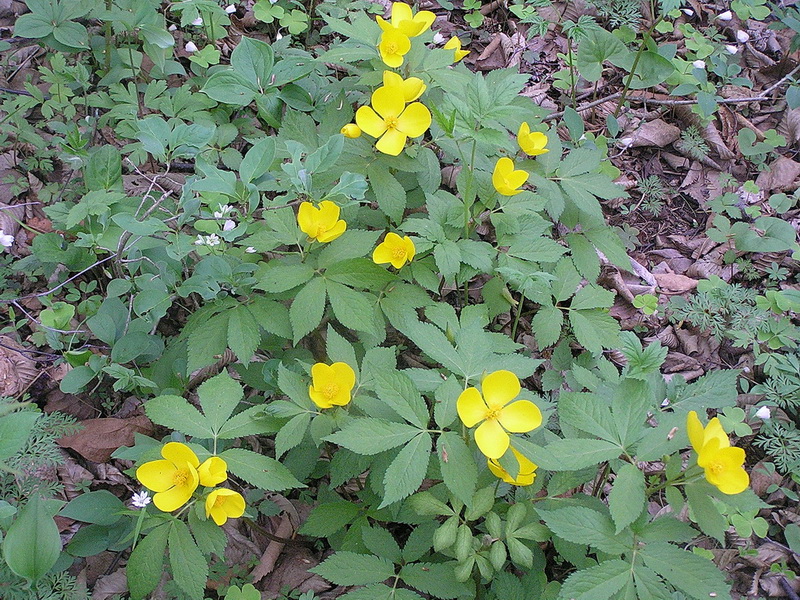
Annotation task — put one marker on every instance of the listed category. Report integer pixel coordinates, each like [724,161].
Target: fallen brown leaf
[100,437]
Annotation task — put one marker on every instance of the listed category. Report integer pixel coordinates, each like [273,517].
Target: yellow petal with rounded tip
[400,12]
[351,131]
[333,233]
[411,28]
[392,142]
[415,120]
[390,78]
[178,495]
[388,101]
[521,416]
[328,213]
[470,407]
[318,398]
[426,18]
[344,375]
[500,388]
[382,254]
[714,430]
[212,472]
[307,216]
[156,475]
[694,429]
[178,453]
[223,504]
[492,440]
[369,121]
[411,249]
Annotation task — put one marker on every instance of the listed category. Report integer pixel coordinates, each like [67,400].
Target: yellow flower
[331,385]
[723,464]
[223,504]
[351,130]
[412,87]
[174,479]
[404,21]
[213,471]
[395,250]
[394,45]
[391,120]
[532,144]
[496,415]
[454,44]
[505,179]
[321,224]
[525,475]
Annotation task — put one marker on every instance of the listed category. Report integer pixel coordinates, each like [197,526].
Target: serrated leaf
[407,470]
[210,537]
[436,579]
[291,434]
[398,391]
[381,543]
[146,562]
[206,342]
[282,277]
[704,511]
[587,412]
[433,342]
[448,259]
[390,195]
[259,470]
[176,413]
[592,296]
[351,308]
[349,568]
[627,498]
[649,585]
[244,334]
[189,567]
[306,311]
[457,464]
[695,576]
[595,329]
[353,243]
[546,326]
[219,397]
[568,455]
[596,583]
[328,518]
[251,421]
[368,436]
[582,525]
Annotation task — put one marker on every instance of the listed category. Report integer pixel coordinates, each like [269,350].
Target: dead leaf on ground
[673,283]
[100,437]
[111,586]
[292,572]
[656,133]
[781,176]
[17,370]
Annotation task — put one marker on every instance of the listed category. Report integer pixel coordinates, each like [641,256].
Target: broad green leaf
[104,170]
[433,342]
[206,342]
[259,470]
[597,583]
[436,579]
[694,575]
[306,311]
[598,46]
[627,499]
[408,469]
[352,309]
[570,454]
[370,436]
[229,87]
[257,160]
[146,562]
[704,511]
[244,333]
[328,518]
[253,60]
[582,525]
[251,421]
[399,392]
[176,413]
[32,544]
[32,25]
[15,428]
[210,537]
[353,243]
[457,463]
[349,568]
[595,329]
[291,433]
[282,277]
[381,543]
[587,412]
[649,585]
[546,326]
[99,506]
[189,567]
[219,397]
[390,195]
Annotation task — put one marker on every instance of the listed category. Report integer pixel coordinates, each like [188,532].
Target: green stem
[636,60]
[517,316]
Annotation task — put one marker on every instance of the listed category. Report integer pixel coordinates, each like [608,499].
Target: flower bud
[726,16]
[190,47]
[731,49]
[230,9]
[764,413]
[351,130]
[699,64]
[742,36]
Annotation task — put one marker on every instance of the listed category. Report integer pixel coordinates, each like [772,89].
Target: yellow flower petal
[394,44]
[351,131]
[307,219]
[156,475]
[318,398]
[415,120]
[470,407]
[505,179]
[492,440]
[333,233]
[392,142]
[714,430]
[331,385]
[388,102]
[369,121]
[694,428]
[212,472]
[500,388]
[328,213]
[532,144]
[525,473]
[454,44]
[178,495]
[178,453]
[411,250]
[223,504]
[520,416]
[400,12]
[345,375]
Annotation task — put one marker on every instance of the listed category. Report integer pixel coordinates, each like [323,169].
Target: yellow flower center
[399,253]
[391,48]
[391,122]
[219,500]
[716,468]
[180,477]
[493,414]
[320,230]
[330,391]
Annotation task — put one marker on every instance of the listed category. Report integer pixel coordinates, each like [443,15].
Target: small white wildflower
[438,38]
[230,9]
[212,240]
[688,12]
[665,403]
[140,499]
[742,36]
[250,250]
[223,211]
[278,36]
[6,241]
[172,27]
[190,47]
[198,22]
[731,49]
[764,413]
[726,16]
[699,64]
[200,241]
[228,225]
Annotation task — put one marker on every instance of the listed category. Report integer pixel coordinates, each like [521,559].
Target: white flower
[230,9]
[763,413]
[140,499]
[190,47]
[438,38]
[688,12]
[6,241]
[212,240]
[250,250]
[200,241]
[742,36]
[726,16]
[699,64]
[172,27]
[278,36]
[223,211]
[228,225]
[198,22]
[731,49]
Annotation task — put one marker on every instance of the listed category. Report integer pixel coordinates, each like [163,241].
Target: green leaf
[649,585]
[349,568]
[568,455]
[695,576]
[32,25]
[627,499]
[229,87]
[587,412]
[253,60]
[582,525]
[595,329]
[244,333]
[436,579]
[257,160]
[407,470]
[546,325]
[146,562]
[328,518]
[32,544]
[145,227]
[598,46]
[353,243]
[457,463]
[596,583]
[15,428]
[251,421]
[368,436]
[189,567]
[388,192]
[381,543]
[306,311]
[176,413]
[100,507]
[592,296]
[352,309]
[104,170]
[292,433]
[219,397]
[704,511]
[206,342]
[432,341]
[259,470]
[72,34]
[398,391]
